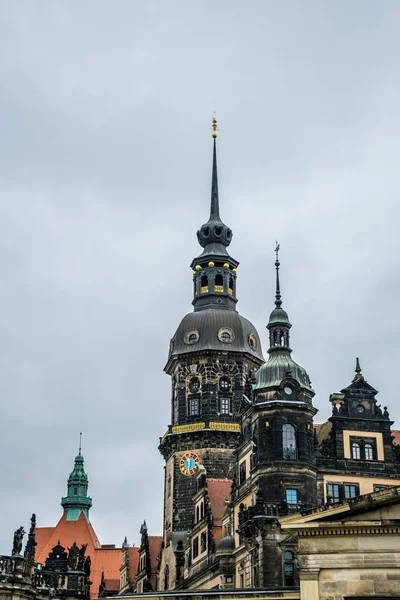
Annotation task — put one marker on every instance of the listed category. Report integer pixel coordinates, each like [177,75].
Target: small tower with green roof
[77,500]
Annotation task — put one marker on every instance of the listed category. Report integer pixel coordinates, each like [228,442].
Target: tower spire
[358,374]
[77,500]
[214,209]
[278,301]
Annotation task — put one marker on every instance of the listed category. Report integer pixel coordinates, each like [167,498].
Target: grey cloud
[105,161]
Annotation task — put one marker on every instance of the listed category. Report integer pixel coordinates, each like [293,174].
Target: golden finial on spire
[214,127]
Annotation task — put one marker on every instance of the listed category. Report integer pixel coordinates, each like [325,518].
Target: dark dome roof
[278,315]
[278,367]
[208,326]
[226,544]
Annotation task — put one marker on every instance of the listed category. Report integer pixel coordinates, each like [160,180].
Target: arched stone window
[289,442]
[219,283]
[369,452]
[204,284]
[355,451]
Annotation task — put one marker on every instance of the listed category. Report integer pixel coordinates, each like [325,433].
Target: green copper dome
[280,367]
[77,500]
[280,316]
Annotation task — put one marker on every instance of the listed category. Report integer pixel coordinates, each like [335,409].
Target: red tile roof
[133,554]
[396,434]
[81,531]
[154,551]
[219,490]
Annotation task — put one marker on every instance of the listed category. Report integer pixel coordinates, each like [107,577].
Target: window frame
[193,407]
[292,492]
[289,452]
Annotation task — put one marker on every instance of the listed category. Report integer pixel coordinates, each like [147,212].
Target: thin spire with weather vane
[80,443]
[278,301]
[214,210]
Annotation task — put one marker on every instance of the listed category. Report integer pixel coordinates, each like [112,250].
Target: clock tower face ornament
[188,463]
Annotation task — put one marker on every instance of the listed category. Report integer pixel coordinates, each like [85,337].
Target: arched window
[166,578]
[194,385]
[289,442]
[355,451]
[219,283]
[231,285]
[282,339]
[202,510]
[204,284]
[224,384]
[197,514]
[369,452]
[288,568]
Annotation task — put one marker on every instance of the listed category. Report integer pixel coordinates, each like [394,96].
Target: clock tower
[213,354]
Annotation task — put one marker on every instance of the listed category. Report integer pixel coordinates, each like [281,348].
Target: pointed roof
[359,383]
[77,500]
[214,236]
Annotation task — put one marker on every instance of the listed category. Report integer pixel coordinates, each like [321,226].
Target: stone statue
[73,554]
[81,557]
[87,565]
[17,542]
[31,544]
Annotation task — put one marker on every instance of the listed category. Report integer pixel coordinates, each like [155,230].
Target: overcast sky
[105,161]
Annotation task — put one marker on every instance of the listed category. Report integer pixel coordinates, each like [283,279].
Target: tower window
[288,568]
[355,451]
[192,338]
[226,335]
[203,542]
[369,452]
[197,514]
[193,407]
[242,472]
[363,449]
[194,385]
[231,285]
[224,384]
[291,496]
[219,284]
[196,547]
[204,284]
[289,442]
[224,406]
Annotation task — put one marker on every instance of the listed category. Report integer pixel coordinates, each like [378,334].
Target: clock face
[287,390]
[188,463]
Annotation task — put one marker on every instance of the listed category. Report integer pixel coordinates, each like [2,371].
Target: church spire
[278,301]
[214,209]
[214,271]
[77,500]
[214,236]
[278,324]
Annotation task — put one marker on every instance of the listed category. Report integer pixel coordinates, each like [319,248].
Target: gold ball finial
[214,127]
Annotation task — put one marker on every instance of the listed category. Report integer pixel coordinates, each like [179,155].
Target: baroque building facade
[242,450]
